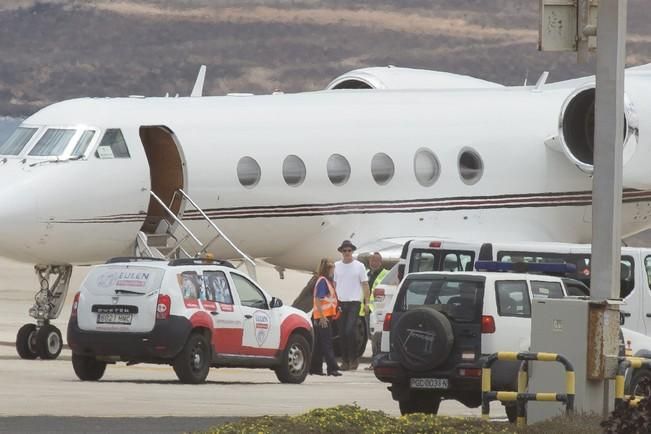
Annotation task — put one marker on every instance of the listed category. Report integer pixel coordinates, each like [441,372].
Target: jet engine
[391,77]
[577,124]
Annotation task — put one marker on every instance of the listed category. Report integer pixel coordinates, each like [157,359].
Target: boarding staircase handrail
[219,231]
[143,246]
[176,219]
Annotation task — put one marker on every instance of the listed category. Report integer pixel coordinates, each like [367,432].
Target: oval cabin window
[338,169]
[471,167]
[293,170]
[248,172]
[382,168]
[426,167]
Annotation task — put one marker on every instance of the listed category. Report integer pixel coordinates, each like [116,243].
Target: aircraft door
[167,174]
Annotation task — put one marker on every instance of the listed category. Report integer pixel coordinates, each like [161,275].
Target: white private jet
[382,155]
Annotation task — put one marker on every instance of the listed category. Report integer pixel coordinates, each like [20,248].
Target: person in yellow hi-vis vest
[376,273]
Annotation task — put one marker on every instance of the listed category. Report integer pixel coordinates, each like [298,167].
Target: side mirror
[275,303]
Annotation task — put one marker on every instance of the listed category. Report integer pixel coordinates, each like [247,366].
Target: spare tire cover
[423,338]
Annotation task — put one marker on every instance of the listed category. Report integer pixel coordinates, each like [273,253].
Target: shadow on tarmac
[108,425]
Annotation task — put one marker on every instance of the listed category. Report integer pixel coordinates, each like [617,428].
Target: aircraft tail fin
[197,90]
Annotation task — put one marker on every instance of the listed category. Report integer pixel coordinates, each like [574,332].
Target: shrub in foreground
[627,419]
[577,424]
[352,419]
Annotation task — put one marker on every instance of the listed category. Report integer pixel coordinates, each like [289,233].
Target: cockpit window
[17,141]
[112,145]
[82,145]
[52,143]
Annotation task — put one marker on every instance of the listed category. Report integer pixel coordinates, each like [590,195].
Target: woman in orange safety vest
[325,309]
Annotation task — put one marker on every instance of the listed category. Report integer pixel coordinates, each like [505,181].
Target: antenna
[541,81]
[197,90]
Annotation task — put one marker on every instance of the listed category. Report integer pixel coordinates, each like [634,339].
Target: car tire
[417,403]
[362,338]
[637,386]
[423,338]
[88,368]
[193,362]
[26,342]
[295,360]
[48,342]
[511,412]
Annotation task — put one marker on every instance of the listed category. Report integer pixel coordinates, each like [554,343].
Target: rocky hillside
[54,49]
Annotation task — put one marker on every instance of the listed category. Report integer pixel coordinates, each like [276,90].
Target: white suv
[441,324]
[189,313]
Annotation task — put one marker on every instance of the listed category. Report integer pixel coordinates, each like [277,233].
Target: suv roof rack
[199,261]
[558,269]
[131,259]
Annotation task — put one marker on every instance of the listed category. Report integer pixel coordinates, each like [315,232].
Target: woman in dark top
[324,311]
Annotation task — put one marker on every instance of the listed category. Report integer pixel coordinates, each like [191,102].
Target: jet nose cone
[19,222]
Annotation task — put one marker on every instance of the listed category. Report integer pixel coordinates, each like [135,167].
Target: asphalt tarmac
[46,397]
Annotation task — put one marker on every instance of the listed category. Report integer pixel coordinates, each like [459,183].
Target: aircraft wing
[389,248]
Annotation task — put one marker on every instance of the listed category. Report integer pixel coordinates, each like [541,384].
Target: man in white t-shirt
[351,284]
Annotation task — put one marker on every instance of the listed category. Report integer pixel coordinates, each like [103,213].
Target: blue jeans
[348,330]
[323,348]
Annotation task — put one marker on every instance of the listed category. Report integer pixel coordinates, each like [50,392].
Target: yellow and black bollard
[521,397]
[624,364]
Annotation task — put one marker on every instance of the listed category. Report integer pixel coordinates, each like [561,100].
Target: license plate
[114,318]
[429,383]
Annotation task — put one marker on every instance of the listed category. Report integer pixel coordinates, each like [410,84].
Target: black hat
[346,244]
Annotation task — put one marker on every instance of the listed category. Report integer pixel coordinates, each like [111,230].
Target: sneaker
[345,366]
[334,374]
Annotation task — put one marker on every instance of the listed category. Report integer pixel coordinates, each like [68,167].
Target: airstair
[172,239]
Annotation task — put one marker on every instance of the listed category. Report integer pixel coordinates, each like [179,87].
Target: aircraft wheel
[26,342]
[48,342]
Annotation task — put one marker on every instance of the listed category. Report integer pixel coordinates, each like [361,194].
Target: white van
[447,255]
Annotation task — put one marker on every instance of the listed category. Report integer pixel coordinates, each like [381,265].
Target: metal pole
[607,181]
[609,129]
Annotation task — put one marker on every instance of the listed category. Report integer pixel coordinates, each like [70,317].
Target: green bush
[352,419]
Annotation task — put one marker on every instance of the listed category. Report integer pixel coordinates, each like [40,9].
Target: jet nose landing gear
[43,339]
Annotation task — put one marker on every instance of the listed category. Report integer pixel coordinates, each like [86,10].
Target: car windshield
[459,298]
[391,278]
[17,141]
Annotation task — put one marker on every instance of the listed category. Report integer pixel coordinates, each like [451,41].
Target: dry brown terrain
[57,49]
